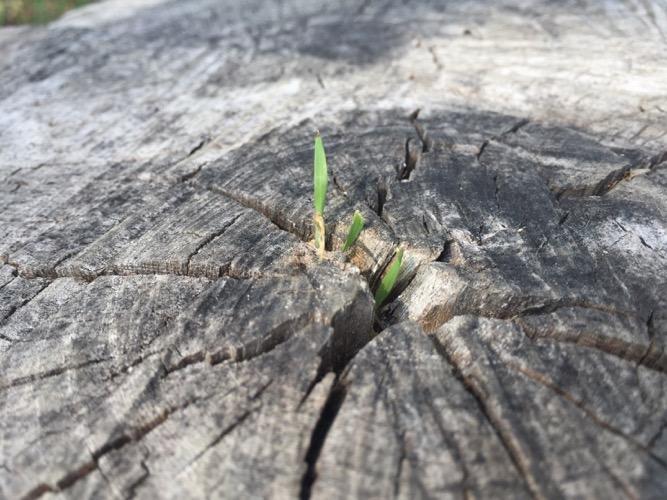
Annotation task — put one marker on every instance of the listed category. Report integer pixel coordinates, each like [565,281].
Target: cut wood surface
[168,331]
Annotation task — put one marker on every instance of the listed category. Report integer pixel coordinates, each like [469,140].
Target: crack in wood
[326,419]
[27,379]
[131,436]
[508,441]
[17,307]
[545,381]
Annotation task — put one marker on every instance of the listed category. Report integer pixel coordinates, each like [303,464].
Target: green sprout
[320,180]
[354,231]
[389,279]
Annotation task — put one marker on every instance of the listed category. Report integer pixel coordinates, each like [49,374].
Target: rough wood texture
[166,330]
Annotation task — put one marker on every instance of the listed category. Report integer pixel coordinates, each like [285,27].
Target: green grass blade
[320,177]
[354,231]
[389,279]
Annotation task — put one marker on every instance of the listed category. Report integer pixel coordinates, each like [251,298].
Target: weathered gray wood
[516,417]
[407,428]
[93,368]
[577,422]
[167,331]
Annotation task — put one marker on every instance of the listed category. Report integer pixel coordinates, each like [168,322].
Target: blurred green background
[35,11]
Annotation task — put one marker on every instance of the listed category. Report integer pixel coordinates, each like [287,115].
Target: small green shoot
[354,231]
[389,279]
[320,180]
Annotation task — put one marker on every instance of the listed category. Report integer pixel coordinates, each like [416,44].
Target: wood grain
[168,331]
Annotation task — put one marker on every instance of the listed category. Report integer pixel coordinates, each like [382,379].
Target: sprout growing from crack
[320,181]
[354,231]
[389,279]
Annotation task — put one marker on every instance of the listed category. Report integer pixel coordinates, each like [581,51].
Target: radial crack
[319,435]
[547,382]
[504,435]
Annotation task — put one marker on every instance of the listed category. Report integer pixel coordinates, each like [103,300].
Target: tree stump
[168,331]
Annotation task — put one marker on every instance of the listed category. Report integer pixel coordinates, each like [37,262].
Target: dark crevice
[427,230]
[318,437]
[272,216]
[336,183]
[190,175]
[512,130]
[382,267]
[563,218]
[614,178]
[132,488]
[412,156]
[401,284]
[381,196]
[480,152]
[319,376]
[446,254]
[643,242]
[516,127]
[199,146]
[38,491]
[641,238]
[331,362]
[385,316]
[426,141]
[657,160]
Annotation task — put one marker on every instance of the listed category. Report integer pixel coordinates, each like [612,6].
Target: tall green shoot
[389,279]
[354,231]
[320,181]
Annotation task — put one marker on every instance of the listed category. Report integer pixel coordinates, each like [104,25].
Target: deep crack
[319,435]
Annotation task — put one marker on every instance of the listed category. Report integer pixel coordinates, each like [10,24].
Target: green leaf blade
[320,176]
[354,231]
[389,279]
